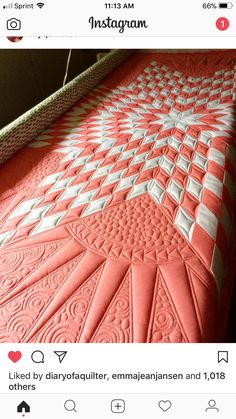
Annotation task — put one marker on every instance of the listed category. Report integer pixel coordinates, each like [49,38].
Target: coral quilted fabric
[115,223]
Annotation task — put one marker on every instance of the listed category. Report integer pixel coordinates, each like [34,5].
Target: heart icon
[164,405]
[14,356]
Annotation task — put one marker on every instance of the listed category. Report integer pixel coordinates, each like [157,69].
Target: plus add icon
[117,406]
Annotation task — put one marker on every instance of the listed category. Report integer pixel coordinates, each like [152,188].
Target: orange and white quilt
[116,222]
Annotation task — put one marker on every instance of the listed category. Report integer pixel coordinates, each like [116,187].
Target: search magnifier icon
[70,406]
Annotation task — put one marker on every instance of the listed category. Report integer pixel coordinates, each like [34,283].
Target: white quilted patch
[48,222]
[139,189]
[71,191]
[5,236]
[207,220]
[156,191]
[126,182]
[213,184]
[49,180]
[183,163]
[200,161]
[194,188]
[175,190]
[60,185]
[96,206]
[114,177]
[185,223]
[25,207]
[36,214]
[166,164]
[83,198]
[216,156]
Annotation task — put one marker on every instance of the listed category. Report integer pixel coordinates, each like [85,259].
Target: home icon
[23,408]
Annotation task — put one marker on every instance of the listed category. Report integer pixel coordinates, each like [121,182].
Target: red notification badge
[222,24]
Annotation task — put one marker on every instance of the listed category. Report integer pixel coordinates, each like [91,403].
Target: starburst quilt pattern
[144,183]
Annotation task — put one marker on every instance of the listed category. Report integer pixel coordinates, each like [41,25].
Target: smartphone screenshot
[118,209]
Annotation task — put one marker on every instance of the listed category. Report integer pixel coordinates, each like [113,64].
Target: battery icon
[225,5]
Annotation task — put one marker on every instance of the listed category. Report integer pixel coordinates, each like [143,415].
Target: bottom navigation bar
[107,406]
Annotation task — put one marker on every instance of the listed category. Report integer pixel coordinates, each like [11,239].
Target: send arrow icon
[61,355]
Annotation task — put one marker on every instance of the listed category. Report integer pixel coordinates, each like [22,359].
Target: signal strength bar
[8,6]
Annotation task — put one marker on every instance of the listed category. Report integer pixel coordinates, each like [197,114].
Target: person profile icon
[212,406]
